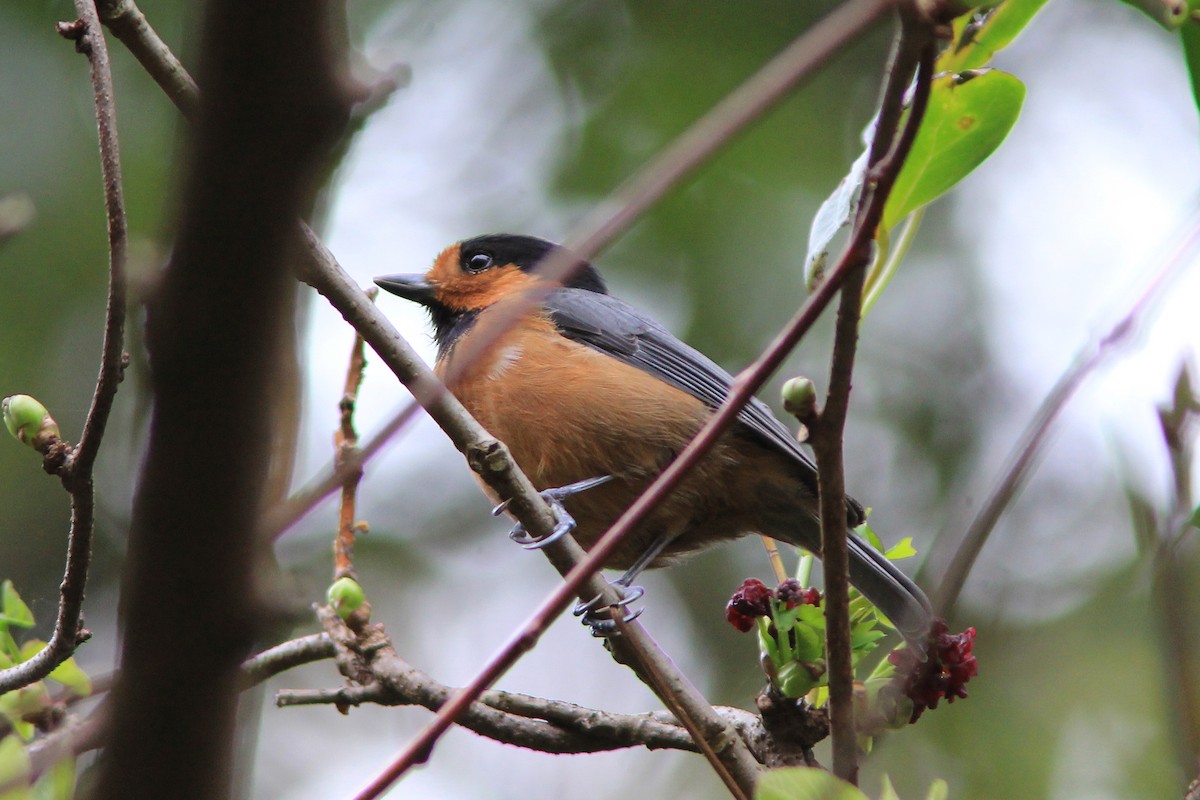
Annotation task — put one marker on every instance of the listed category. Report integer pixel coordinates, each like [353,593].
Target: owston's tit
[590,387]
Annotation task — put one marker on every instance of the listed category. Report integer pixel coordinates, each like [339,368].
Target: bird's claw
[605,627]
[564,523]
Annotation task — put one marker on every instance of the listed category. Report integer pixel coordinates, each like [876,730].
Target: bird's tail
[892,592]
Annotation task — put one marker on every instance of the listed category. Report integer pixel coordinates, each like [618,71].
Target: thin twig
[914,51]
[77,473]
[1024,456]
[128,24]
[558,727]
[549,726]
[347,460]
[291,654]
[1172,584]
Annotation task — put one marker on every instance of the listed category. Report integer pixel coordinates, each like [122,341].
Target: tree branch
[348,461]
[76,473]
[532,722]
[128,23]
[281,658]
[915,46]
[1024,456]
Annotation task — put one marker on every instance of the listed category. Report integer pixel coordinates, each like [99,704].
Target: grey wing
[618,329]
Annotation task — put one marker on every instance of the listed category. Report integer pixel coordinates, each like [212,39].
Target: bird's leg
[563,522]
[629,593]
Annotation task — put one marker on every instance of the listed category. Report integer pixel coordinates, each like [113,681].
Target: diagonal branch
[1024,456]
[558,727]
[490,459]
[129,24]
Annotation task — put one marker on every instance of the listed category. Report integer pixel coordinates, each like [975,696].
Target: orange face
[461,289]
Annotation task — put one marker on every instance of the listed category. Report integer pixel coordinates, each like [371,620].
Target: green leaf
[969,115]
[938,790]
[887,791]
[795,679]
[57,782]
[901,549]
[865,531]
[20,704]
[766,642]
[804,783]
[70,675]
[1195,520]
[13,610]
[812,616]
[864,635]
[860,607]
[14,768]
[833,215]
[978,37]
[810,645]
[8,649]
[1190,39]
[785,618]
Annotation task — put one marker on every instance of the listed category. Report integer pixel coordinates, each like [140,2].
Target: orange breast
[568,412]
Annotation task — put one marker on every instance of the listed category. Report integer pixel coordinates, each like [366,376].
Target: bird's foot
[607,626]
[564,523]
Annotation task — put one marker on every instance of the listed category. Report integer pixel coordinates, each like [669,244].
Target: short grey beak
[410,287]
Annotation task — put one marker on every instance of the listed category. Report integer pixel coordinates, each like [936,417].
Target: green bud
[346,596]
[800,397]
[29,421]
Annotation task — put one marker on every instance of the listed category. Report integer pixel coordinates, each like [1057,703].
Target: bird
[594,398]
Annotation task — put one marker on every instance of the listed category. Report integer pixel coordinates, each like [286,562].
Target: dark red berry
[752,599]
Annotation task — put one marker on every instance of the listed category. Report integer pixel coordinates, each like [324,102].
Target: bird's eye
[479,262]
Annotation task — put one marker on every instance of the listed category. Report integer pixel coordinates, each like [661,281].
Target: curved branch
[76,474]
[1024,456]
[281,658]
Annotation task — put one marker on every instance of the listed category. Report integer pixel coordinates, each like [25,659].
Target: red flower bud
[945,672]
[752,599]
[791,594]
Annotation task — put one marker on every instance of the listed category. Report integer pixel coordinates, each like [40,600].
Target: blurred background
[519,118]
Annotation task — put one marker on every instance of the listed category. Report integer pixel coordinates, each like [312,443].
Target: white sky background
[1069,219]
